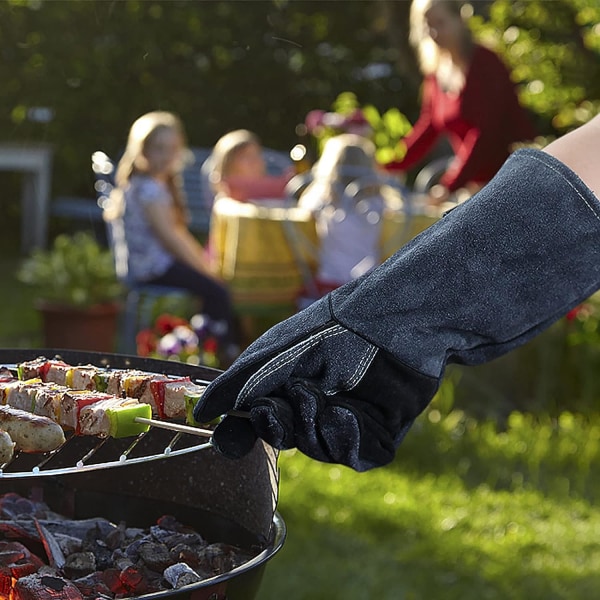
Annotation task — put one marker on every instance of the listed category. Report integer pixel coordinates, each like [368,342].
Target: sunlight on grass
[420,528]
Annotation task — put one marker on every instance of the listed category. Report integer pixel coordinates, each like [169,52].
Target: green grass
[463,512]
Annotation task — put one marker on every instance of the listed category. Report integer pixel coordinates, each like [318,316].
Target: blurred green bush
[555,372]
[96,66]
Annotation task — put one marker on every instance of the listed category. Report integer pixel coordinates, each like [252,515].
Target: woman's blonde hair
[141,134]
[225,151]
[428,52]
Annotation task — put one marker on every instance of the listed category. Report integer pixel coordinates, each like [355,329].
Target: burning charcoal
[16,560]
[159,534]
[93,586]
[80,564]
[101,553]
[55,555]
[155,556]
[180,574]
[132,551]
[13,506]
[189,539]
[220,558]
[19,529]
[12,552]
[170,523]
[192,557]
[134,533]
[83,529]
[134,580]
[154,581]
[45,587]
[120,560]
[112,580]
[48,570]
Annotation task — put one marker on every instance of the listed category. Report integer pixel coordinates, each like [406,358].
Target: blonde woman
[348,202]
[148,197]
[468,96]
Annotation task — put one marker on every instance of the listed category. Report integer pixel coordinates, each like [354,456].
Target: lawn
[464,512]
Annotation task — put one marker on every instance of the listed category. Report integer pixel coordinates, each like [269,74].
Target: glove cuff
[488,276]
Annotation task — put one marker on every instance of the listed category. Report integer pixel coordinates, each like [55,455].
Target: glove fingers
[221,394]
[326,428]
[305,420]
[338,429]
[273,421]
[270,419]
[234,437]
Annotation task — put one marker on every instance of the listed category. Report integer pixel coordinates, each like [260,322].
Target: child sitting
[148,207]
[238,169]
[348,200]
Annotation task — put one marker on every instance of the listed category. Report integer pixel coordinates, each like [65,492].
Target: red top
[481,122]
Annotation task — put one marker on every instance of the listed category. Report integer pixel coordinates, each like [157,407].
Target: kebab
[169,397]
[61,407]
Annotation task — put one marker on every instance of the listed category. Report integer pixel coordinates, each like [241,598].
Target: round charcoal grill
[137,480]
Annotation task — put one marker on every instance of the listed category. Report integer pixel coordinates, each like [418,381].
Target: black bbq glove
[344,379]
[313,384]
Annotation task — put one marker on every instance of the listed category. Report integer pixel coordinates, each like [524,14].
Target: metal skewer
[187,428]
[175,427]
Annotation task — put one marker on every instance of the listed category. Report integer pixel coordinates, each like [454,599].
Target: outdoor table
[266,251]
[34,160]
[250,243]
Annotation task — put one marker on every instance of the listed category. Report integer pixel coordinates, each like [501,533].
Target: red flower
[210,345]
[165,323]
[572,314]
[146,342]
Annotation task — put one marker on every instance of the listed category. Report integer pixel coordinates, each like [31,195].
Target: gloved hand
[344,379]
[313,384]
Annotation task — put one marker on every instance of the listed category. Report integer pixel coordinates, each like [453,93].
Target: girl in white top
[348,200]
[149,199]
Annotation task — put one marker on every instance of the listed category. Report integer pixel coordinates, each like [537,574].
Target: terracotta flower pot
[93,328]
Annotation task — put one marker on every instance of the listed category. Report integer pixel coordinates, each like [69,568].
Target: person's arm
[344,379]
[580,151]
[488,106]
[423,135]
[176,237]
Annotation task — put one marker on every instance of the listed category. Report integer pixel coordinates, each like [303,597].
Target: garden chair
[431,174]
[141,299]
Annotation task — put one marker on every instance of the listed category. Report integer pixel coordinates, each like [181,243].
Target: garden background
[494,493]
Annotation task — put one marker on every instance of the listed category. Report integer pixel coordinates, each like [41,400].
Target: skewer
[175,427]
[187,428]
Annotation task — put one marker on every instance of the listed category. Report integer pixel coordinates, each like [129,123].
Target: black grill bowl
[226,501]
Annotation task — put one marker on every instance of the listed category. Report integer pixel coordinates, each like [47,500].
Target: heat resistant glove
[344,379]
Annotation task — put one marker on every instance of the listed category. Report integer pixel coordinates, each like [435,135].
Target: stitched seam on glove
[561,175]
[361,369]
[282,359]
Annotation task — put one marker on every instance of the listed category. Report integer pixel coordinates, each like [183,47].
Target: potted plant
[78,292]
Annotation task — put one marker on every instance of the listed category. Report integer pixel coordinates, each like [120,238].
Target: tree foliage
[262,65]
[553,49]
[220,65]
